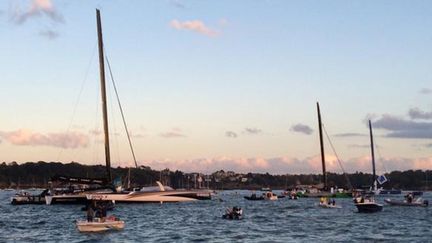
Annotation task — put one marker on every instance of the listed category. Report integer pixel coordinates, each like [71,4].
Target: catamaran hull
[151,197]
[66,199]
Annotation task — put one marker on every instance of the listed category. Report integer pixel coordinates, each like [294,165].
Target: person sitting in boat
[409,197]
[333,202]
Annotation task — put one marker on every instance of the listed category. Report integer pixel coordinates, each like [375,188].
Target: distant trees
[37,174]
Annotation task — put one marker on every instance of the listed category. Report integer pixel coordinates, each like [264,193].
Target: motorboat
[419,202]
[99,225]
[367,205]
[24,197]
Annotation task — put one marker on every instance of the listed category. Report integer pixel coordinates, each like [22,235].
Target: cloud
[50,34]
[177,4]
[426,91]
[193,25]
[223,22]
[416,113]
[95,132]
[401,128]
[231,134]
[252,131]
[63,140]
[283,165]
[301,128]
[359,145]
[174,133]
[37,8]
[136,135]
[350,134]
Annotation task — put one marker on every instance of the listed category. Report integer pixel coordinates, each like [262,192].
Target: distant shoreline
[37,175]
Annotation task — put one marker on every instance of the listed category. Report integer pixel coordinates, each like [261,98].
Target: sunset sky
[210,85]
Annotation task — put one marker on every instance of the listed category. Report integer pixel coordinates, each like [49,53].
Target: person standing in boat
[90,212]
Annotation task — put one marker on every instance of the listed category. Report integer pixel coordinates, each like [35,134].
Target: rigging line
[337,157]
[121,111]
[381,158]
[114,126]
[79,97]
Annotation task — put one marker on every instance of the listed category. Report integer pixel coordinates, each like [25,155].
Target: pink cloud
[37,8]
[63,140]
[283,165]
[193,25]
[174,133]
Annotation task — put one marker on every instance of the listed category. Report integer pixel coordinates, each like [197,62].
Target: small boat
[111,223]
[417,203]
[270,196]
[234,213]
[326,203]
[26,198]
[367,205]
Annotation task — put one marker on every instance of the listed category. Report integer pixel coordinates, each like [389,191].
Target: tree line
[38,174]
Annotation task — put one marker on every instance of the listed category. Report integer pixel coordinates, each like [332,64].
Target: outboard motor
[426,202]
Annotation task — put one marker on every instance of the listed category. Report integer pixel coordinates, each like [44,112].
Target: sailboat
[366,203]
[323,189]
[160,193]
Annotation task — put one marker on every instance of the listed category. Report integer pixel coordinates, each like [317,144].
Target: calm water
[264,221]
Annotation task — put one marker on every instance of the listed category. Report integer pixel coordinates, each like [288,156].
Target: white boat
[158,194]
[270,196]
[99,226]
[326,205]
[419,202]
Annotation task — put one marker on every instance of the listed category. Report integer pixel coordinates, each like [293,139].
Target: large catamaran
[158,194]
[323,190]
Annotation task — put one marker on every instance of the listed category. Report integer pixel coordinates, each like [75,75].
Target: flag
[381,179]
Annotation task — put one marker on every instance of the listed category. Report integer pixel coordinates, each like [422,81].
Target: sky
[211,85]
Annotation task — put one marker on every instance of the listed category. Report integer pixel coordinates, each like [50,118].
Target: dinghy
[326,205]
[417,203]
[111,223]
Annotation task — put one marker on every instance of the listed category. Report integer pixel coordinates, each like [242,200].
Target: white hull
[85,226]
[152,197]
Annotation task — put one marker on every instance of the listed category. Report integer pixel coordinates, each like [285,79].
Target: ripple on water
[264,221]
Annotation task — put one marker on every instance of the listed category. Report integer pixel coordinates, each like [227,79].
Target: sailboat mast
[372,154]
[103,95]
[322,148]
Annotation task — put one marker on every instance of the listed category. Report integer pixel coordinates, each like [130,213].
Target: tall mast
[322,148]
[372,154]
[103,95]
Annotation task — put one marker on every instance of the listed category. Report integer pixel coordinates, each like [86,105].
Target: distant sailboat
[366,203]
[323,190]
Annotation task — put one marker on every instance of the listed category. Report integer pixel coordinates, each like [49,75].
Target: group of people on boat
[96,211]
[325,200]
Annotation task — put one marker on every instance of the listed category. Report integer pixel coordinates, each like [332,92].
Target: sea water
[264,221]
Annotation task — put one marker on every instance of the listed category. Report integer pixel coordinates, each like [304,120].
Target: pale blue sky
[264,67]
